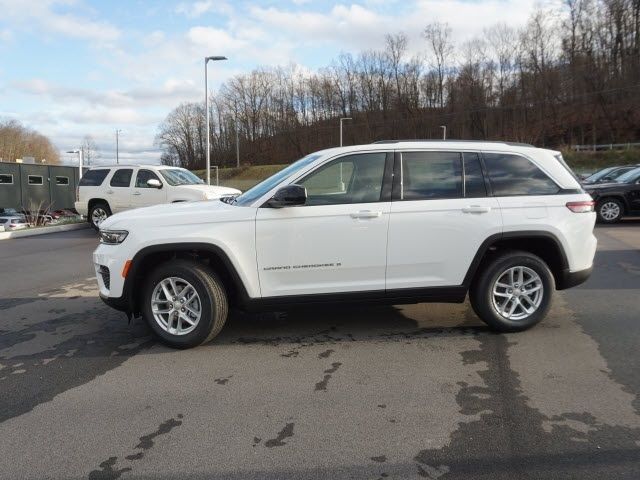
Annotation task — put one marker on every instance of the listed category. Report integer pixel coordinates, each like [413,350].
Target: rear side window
[512,175]
[431,175]
[474,185]
[122,177]
[93,178]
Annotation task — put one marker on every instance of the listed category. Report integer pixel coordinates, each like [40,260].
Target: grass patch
[593,161]
[241,178]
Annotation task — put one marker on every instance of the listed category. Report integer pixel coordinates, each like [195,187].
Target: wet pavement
[417,391]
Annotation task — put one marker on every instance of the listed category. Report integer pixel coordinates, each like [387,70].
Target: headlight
[113,237]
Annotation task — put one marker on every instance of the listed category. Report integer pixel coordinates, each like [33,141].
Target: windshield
[598,175]
[629,177]
[263,187]
[180,176]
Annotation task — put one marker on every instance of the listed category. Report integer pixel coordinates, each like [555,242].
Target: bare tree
[89,150]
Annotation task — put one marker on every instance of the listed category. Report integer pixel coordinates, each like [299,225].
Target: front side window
[143,177]
[350,179]
[6,179]
[431,175]
[62,180]
[35,180]
[254,193]
[630,177]
[94,178]
[512,175]
[122,177]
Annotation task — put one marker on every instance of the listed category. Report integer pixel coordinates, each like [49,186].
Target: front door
[440,216]
[336,242]
[144,195]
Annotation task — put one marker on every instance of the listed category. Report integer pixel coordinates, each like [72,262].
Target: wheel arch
[212,255]
[541,243]
[93,201]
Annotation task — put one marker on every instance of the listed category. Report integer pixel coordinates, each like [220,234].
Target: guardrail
[605,146]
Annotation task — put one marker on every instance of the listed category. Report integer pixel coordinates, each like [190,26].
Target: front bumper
[119,303]
[570,279]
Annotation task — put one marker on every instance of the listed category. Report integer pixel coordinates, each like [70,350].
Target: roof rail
[513,144]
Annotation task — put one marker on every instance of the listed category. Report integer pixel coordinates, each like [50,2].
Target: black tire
[607,207]
[213,302]
[481,292]
[97,207]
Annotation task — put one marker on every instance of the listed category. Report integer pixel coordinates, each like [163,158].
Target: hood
[181,213]
[211,191]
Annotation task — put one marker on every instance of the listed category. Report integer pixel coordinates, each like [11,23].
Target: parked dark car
[617,199]
[608,175]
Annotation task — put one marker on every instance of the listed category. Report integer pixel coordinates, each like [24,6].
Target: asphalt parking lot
[418,391]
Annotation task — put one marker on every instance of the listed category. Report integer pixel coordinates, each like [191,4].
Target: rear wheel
[184,303]
[609,210]
[98,213]
[513,292]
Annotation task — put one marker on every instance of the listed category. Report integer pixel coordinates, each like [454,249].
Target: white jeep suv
[103,191]
[392,222]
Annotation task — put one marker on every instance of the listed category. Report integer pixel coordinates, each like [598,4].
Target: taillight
[77,194]
[581,207]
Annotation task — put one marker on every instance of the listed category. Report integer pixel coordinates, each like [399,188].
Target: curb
[32,232]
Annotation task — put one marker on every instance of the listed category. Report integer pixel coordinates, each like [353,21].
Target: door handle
[136,193]
[476,209]
[110,192]
[366,214]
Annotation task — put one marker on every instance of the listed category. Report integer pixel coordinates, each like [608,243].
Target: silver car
[13,222]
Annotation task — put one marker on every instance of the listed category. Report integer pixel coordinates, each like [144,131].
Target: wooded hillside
[17,141]
[568,77]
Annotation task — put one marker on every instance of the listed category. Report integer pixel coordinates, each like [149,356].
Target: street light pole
[341,120]
[79,152]
[444,131]
[118,131]
[206,107]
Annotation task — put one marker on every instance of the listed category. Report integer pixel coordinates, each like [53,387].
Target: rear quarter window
[512,175]
[94,178]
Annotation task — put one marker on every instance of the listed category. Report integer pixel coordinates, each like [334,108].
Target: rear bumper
[571,279]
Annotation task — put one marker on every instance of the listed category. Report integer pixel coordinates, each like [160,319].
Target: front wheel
[184,303]
[513,292]
[609,210]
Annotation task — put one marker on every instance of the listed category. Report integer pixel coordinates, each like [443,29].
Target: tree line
[568,77]
[17,141]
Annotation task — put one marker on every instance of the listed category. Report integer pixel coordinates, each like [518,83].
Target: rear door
[144,195]
[440,215]
[119,189]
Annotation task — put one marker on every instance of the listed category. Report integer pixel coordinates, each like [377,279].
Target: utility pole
[237,147]
[341,120]
[118,131]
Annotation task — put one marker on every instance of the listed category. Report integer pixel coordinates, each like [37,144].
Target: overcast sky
[69,68]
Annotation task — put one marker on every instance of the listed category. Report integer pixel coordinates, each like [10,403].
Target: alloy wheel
[517,293]
[176,306]
[98,215]
[610,210]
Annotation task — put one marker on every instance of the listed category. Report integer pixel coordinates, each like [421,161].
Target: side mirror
[289,196]
[154,183]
